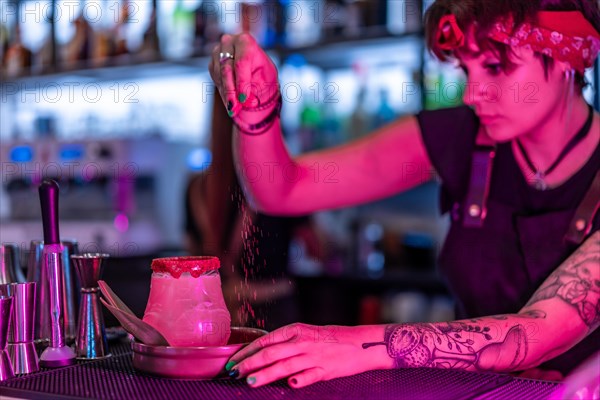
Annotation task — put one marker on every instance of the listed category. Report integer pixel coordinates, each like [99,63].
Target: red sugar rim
[195,265]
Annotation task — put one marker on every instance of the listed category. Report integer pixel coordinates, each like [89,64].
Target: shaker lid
[195,265]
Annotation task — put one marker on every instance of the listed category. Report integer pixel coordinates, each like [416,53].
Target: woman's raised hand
[244,75]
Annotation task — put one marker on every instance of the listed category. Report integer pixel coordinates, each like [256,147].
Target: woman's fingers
[214,66]
[306,377]
[279,370]
[282,335]
[279,361]
[243,68]
[226,63]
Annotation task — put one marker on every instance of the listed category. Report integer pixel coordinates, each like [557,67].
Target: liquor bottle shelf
[376,45]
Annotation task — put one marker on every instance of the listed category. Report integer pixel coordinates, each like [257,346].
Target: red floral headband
[563,35]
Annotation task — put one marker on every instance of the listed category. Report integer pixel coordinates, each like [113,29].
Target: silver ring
[224,57]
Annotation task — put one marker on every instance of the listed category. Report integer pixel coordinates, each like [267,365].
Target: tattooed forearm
[577,282]
[458,345]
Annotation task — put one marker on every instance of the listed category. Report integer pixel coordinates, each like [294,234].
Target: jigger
[21,348]
[91,335]
[6,371]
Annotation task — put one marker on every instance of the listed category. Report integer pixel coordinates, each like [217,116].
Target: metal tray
[191,362]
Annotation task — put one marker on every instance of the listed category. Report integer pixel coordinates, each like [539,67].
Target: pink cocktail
[186,302]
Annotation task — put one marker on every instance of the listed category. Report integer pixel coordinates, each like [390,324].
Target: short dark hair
[487,12]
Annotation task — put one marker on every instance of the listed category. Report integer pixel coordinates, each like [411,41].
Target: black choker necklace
[540,176]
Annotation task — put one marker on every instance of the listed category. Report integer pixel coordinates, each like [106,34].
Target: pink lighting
[121,222]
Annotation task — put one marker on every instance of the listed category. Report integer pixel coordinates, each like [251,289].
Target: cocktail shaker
[70,291]
[58,354]
[21,347]
[6,370]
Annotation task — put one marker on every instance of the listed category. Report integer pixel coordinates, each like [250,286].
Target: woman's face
[514,103]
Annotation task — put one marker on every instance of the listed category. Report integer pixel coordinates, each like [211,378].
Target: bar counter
[115,378]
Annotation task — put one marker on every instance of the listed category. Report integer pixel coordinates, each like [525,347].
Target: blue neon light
[71,152]
[21,154]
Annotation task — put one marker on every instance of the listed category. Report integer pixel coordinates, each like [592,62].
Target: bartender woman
[519,165]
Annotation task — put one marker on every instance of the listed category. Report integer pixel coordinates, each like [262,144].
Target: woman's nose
[478,91]
[473,93]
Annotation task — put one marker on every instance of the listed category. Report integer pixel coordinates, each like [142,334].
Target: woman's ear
[565,69]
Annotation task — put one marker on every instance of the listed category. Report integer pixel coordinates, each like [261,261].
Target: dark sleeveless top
[495,269]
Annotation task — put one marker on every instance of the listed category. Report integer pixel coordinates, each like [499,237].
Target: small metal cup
[21,348]
[6,370]
[91,340]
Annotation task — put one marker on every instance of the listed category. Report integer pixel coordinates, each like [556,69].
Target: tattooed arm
[564,310]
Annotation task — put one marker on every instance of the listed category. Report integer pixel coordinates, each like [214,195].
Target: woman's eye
[493,68]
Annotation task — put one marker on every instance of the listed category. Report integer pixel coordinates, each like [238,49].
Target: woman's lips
[488,119]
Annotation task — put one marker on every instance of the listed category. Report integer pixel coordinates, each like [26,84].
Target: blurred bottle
[4,39]
[207,29]
[18,57]
[375,14]
[353,18]
[329,133]
[265,21]
[79,50]
[403,16]
[385,113]
[46,57]
[310,118]
[275,34]
[150,47]
[362,17]
[181,38]
[333,23]
[254,20]
[109,39]
[120,30]
[360,119]
[303,21]
[103,48]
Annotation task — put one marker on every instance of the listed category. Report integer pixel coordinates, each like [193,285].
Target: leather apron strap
[475,205]
[582,221]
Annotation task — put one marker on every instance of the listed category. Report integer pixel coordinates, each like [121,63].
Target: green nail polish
[229,365]
[242,97]
[251,380]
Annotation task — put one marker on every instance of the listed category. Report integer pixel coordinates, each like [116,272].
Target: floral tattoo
[455,345]
[576,282]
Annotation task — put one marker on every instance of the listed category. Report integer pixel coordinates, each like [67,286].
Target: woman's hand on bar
[305,354]
[562,312]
